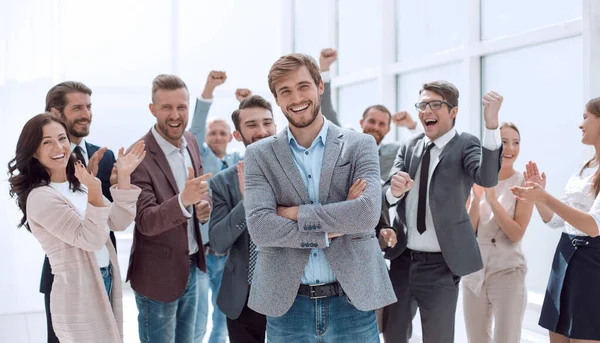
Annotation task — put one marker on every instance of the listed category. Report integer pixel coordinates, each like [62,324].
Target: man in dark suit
[167,254]
[432,177]
[253,121]
[71,101]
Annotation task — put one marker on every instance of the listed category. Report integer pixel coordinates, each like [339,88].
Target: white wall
[117,47]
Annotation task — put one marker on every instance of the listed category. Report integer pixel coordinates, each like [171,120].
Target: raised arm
[198,127]
[328,57]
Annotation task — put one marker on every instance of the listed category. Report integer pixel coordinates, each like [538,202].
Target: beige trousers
[502,300]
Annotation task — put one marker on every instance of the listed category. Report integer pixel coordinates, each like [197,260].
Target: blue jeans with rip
[170,322]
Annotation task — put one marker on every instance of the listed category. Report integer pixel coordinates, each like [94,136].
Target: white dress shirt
[428,240]
[179,160]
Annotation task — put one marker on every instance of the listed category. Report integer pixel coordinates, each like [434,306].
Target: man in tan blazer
[167,255]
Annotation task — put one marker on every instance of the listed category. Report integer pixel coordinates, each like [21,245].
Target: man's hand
[357,189]
[240,175]
[242,94]
[401,183]
[195,188]
[214,79]
[203,209]
[328,56]
[404,119]
[92,166]
[492,102]
[478,191]
[290,213]
[387,238]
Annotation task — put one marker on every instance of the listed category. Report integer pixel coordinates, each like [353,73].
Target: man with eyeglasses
[431,180]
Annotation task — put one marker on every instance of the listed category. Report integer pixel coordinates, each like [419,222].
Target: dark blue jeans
[331,319]
[169,322]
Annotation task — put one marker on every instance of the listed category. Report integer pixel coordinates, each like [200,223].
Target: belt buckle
[577,242]
[312,291]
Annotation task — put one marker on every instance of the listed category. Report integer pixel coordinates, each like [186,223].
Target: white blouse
[79,200]
[579,195]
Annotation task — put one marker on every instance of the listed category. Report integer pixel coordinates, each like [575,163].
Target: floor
[31,327]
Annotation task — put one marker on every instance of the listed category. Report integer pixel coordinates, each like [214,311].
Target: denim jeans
[212,279]
[324,320]
[169,322]
[106,273]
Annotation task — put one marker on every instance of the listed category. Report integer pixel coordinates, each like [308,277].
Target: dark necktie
[79,155]
[423,177]
[224,165]
[252,260]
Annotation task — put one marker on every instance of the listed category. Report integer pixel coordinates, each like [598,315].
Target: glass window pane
[426,27]
[409,85]
[359,35]
[311,23]
[506,17]
[542,89]
[353,100]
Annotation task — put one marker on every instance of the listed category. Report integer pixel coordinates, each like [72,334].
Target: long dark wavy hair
[25,171]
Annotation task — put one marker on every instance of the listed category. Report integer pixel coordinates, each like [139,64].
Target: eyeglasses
[433,104]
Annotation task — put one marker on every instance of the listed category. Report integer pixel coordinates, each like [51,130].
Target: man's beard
[300,124]
[253,140]
[71,127]
[375,134]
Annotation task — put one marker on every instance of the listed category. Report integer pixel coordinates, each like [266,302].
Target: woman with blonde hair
[498,292]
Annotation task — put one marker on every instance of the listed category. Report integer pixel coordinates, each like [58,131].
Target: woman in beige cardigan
[63,207]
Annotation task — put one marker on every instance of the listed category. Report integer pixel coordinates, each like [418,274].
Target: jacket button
[493,240]
[302,245]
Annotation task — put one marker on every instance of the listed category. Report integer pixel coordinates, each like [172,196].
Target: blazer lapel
[90,149]
[194,156]
[416,157]
[333,147]
[447,149]
[159,158]
[282,151]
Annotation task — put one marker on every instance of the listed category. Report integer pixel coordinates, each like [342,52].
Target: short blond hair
[167,82]
[292,62]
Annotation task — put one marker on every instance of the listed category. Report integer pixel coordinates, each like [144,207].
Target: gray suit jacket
[227,231]
[462,163]
[272,178]
[387,152]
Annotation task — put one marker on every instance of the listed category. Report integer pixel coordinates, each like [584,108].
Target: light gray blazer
[272,178]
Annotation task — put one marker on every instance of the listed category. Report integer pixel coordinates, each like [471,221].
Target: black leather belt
[423,256]
[193,257]
[321,291]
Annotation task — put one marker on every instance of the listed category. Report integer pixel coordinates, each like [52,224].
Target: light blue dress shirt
[309,162]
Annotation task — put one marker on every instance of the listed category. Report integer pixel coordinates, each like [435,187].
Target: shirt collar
[165,145]
[441,142]
[322,134]
[81,144]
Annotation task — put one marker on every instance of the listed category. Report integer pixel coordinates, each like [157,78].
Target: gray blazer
[272,178]
[462,163]
[227,231]
[387,151]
